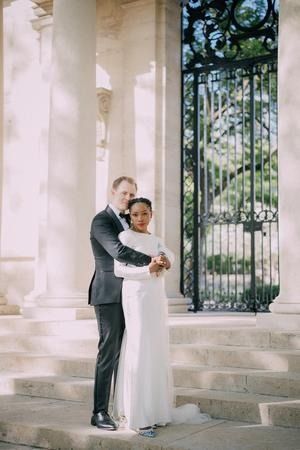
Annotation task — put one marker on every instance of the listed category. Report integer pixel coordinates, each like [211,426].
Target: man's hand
[166,262]
[159,263]
[163,261]
[156,266]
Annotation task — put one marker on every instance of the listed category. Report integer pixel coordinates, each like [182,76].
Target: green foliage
[263,293]
[225,264]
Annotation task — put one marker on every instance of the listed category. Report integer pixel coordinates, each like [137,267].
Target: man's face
[121,196]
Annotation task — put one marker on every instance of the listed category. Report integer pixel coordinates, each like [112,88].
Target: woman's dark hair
[139,200]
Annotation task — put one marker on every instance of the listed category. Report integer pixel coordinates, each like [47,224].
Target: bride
[143,391]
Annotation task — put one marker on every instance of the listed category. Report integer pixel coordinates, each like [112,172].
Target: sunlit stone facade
[77,116]
[91,92]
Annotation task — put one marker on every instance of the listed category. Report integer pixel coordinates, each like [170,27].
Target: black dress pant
[111,324]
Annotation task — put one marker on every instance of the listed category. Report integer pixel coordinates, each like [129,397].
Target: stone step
[55,387]
[8,446]
[55,424]
[48,364]
[254,381]
[222,379]
[189,334]
[48,344]
[236,336]
[19,325]
[195,354]
[263,409]
[230,356]
[268,382]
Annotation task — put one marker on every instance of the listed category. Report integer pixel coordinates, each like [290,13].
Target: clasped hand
[158,263]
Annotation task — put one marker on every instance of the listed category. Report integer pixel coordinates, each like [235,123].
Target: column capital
[42,22]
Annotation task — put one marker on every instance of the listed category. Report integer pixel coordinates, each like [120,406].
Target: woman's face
[140,215]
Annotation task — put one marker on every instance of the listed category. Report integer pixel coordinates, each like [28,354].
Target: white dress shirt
[117,212]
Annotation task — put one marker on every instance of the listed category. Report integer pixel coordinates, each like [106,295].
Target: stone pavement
[57,424]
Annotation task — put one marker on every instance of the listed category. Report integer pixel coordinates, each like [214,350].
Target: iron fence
[230,257]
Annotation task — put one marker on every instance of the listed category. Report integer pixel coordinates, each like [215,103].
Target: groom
[105,291]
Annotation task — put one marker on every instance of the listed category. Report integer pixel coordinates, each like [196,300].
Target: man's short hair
[119,180]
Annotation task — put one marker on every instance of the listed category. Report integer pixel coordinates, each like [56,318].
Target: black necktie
[123,215]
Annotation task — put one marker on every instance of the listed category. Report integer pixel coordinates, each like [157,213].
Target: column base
[177,305]
[57,307]
[278,321]
[7,309]
[281,307]
[56,314]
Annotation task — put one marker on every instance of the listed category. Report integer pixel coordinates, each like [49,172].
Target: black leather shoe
[103,420]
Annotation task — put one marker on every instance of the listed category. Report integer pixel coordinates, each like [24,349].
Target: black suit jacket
[105,287]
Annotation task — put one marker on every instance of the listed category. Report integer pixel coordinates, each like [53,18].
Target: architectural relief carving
[103,108]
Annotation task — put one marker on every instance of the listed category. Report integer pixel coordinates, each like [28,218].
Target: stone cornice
[109,18]
[132,3]
[43,7]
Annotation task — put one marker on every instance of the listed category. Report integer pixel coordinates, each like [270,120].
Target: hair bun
[133,201]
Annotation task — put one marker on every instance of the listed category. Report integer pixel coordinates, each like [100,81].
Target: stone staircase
[232,369]
[246,373]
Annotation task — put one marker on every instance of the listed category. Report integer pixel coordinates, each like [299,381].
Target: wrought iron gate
[229,154]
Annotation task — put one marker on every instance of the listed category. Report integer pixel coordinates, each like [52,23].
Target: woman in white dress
[143,391]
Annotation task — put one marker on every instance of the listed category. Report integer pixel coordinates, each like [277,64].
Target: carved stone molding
[43,7]
[131,3]
[42,22]
[103,109]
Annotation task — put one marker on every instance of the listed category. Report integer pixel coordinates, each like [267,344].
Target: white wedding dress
[143,392]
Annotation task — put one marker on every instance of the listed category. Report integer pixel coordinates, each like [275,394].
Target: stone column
[285,310]
[43,25]
[19,176]
[139,95]
[71,162]
[168,139]
[152,94]
[1,133]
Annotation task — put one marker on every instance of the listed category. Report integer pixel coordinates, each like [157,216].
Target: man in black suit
[105,292]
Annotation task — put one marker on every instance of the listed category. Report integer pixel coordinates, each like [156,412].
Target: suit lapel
[114,218]
[127,218]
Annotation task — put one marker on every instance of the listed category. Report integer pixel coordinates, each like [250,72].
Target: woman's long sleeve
[131,273]
[163,249]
